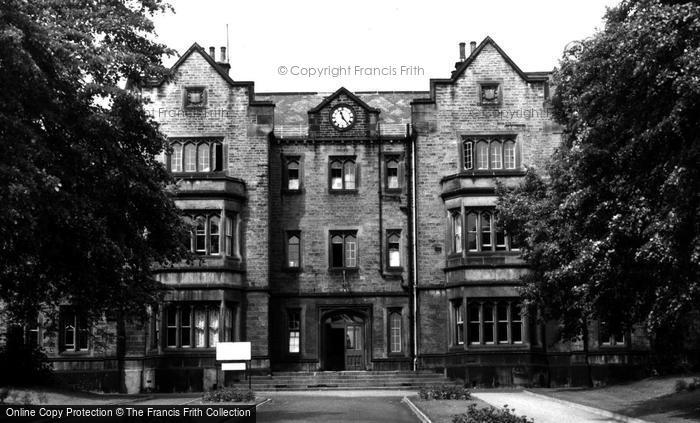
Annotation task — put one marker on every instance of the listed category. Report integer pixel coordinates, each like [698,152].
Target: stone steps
[345,380]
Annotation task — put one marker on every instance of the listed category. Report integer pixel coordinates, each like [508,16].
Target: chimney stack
[212,52]
[462,54]
[223,63]
[473,46]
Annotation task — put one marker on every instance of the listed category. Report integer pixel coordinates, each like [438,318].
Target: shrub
[444,391]
[489,415]
[229,395]
[683,385]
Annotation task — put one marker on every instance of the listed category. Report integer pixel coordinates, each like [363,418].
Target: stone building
[346,231]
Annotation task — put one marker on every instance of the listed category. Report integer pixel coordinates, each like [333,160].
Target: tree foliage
[611,229]
[84,212]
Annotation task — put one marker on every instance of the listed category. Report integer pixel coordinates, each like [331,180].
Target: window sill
[611,347]
[292,269]
[478,173]
[188,349]
[198,175]
[342,191]
[487,104]
[396,354]
[394,269]
[286,191]
[76,353]
[497,346]
[393,191]
[342,269]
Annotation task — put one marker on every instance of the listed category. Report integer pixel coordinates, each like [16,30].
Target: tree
[611,229]
[84,207]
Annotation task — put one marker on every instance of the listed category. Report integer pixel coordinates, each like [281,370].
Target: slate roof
[291,111]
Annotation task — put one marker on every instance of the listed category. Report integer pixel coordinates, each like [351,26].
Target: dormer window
[195,97]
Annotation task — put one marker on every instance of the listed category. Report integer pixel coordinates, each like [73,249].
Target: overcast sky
[372,44]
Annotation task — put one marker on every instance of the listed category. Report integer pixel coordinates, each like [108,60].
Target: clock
[342,117]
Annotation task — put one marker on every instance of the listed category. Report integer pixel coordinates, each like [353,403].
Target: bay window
[494,322]
[197,325]
[196,155]
[489,153]
[206,235]
[482,233]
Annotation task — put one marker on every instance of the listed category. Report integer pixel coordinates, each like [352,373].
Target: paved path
[328,408]
[542,410]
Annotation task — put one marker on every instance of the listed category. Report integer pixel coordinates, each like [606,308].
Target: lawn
[652,399]
[37,396]
[441,411]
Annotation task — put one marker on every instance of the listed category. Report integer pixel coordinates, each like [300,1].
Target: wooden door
[354,347]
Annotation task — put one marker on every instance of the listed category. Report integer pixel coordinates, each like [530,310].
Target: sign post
[235,356]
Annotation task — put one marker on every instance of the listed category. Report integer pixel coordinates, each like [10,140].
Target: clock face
[342,117]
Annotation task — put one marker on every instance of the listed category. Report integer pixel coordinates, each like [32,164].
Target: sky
[372,45]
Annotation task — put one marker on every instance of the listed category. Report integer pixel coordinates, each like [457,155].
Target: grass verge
[651,399]
[441,411]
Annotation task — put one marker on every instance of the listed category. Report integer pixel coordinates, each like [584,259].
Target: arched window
[485,232]
[394,251]
[293,251]
[229,236]
[294,330]
[190,158]
[456,229]
[458,321]
[349,174]
[482,155]
[214,233]
[468,155]
[395,332]
[350,251]
[488,323]
[509,155]
[336,175]
[293,175]
[342,172]
[213,327]
[472,230]
[189,243]
[496,160]
[176,158]
[337,251]
[203,158]
[343,249]
[200,236]
[392,174]
[200,327]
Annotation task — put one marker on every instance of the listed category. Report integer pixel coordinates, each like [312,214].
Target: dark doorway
[344,341]
[335,348]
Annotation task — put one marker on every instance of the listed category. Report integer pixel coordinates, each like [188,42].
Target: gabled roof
[526,76]
[198,49]
[195,48]
[353,97]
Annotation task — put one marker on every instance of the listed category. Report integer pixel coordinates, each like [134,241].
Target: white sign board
[232,366]
[233,351]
